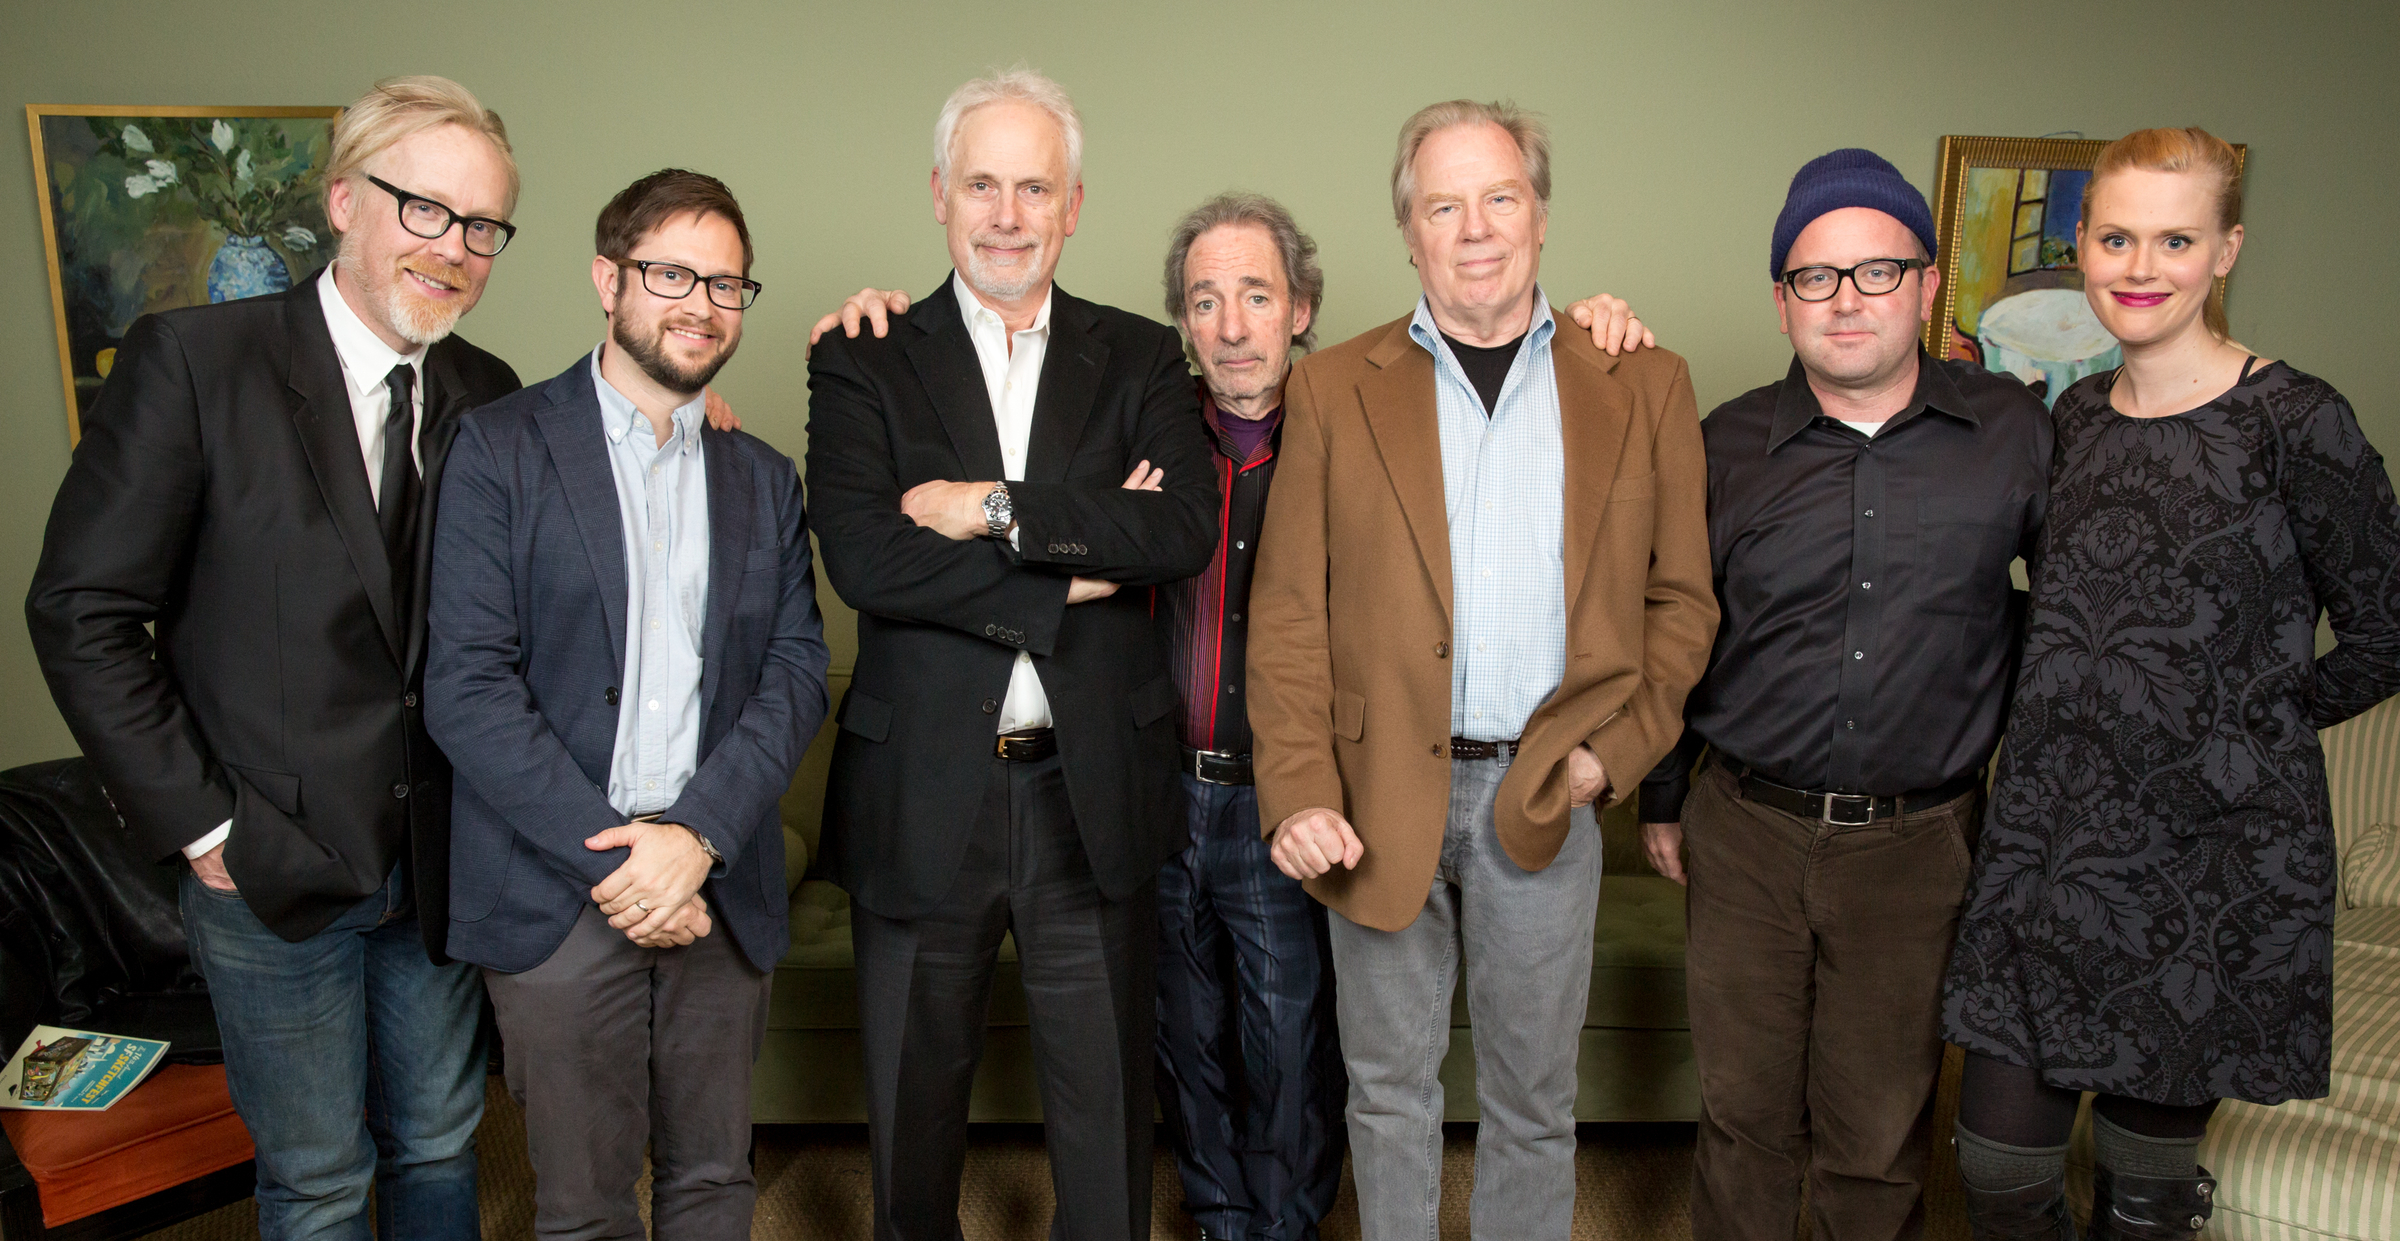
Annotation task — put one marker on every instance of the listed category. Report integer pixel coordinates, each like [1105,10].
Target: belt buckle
[1865,802]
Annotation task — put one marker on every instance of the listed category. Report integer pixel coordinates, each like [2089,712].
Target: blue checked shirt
[1504,484]
[662,496]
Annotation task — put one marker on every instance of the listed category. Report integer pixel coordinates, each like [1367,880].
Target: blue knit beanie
[1850,177]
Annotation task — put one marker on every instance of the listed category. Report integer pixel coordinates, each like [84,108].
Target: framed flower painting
[2005,212]
[150,208]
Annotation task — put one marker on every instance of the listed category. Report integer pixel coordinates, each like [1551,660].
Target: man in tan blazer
[1482,594]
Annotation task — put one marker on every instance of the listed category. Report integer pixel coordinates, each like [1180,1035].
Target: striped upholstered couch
[2330,1168]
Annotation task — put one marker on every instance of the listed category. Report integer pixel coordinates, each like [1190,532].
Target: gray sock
[2127,1153]
[1989,1165]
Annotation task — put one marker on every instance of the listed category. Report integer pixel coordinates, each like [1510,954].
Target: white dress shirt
[662,499]
[366,362]
[1012,375]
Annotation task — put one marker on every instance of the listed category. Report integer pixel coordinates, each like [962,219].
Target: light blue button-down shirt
[662,496]
[1504,483]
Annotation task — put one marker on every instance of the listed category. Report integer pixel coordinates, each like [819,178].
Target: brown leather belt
[1216,766]
[1847,809]
[1460,747]
[1026,745]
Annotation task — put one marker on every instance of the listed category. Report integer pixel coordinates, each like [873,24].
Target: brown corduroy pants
[1814,971]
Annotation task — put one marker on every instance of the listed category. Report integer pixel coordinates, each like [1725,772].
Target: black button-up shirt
[1870,629]
[1208,615]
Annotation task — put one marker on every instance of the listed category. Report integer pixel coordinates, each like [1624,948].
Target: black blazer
[218,495]
[941,620]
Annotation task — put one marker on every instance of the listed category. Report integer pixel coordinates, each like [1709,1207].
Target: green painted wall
[1677,127]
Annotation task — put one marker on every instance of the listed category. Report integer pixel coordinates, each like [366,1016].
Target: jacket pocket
[1349,715]
[280,788]
[1151,700]
[868,716]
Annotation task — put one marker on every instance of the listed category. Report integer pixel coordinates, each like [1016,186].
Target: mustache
[1004,241]
[1223,356]
[448,275]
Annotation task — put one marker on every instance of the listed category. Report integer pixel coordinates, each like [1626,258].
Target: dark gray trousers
[612,1048]
[1090,969]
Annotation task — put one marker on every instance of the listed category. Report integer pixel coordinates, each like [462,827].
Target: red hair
[2193,150]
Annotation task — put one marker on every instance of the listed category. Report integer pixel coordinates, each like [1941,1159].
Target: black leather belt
[1026,745]
[1460,747]
[1216,766]
[1848,809]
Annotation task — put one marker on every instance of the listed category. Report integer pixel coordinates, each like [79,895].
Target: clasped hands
[654,896]
[1316,840]
[955,511]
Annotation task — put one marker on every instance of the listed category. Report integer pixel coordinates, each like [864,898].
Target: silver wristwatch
[998,512]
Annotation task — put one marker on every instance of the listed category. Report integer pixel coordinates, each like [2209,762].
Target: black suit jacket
[218,496]
[941,620]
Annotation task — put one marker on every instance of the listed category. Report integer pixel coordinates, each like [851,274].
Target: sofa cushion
[176,1127]
[2371,869]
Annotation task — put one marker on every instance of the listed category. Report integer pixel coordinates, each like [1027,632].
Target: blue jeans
[1249,1075]
[353,1059]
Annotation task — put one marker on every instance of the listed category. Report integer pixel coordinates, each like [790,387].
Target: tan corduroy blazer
[1349,652]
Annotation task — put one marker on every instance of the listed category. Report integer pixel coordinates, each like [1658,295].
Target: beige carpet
[1632,1184]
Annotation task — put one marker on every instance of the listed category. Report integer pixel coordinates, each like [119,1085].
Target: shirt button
[1852,724]
[1233,689]
[649,784]
[400,790]
[1236,618]
[1240,546]
[654,469]
[408,700]
[657,545]
[654,704]
[654,624]
[1480,646]
[1866,585]
[1870,512]
[1858,654]
[1487,572]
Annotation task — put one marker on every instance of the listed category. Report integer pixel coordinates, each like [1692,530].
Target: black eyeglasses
[429,219]
[670,281]
[1873,278]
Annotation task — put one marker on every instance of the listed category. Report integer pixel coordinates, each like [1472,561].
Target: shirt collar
[1215,418]
[366,360]
[619,416]
[1423,330]
[1796,403]
[980,317]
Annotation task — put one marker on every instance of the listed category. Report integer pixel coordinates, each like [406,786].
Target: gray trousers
[612,1048]
[1525,939]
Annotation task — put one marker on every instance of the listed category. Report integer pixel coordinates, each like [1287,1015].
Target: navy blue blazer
[527,650]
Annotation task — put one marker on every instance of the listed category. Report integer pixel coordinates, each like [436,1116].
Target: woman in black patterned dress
[2151,910]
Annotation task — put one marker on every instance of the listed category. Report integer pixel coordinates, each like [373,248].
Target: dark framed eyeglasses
[675,282]
[1873,278]
[429,219]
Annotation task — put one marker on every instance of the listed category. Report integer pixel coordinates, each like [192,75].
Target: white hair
[1022,85]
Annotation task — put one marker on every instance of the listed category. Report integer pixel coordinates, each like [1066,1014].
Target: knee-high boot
[2150,1208]
[2036,1212]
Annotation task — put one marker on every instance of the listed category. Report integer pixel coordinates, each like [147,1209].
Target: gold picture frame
[2004,213]
[139,217]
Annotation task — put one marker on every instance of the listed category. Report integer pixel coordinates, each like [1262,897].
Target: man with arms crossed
[627,662]
[983,485]
[1481,596]
[1253,1103]
[1862,513]
[230,613]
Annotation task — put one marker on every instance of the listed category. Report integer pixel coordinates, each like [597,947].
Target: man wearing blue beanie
[1862,514]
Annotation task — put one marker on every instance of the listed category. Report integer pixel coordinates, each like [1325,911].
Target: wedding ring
[644,906]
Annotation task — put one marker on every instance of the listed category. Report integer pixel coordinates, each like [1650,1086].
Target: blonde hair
[2191,149]
[1022,85]
[397,109]
[1531,135]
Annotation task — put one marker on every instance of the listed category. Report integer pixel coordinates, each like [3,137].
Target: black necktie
[396,506]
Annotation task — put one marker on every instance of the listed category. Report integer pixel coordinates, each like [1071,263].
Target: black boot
[2150,1208]
[2036,1212]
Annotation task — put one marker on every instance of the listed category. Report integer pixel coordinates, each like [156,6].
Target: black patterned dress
[2152,905]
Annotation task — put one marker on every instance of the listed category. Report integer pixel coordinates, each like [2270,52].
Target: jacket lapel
[944,358]
[729,525]
[1594,416]
[320,411]
[571,430]
[1398,398]
[1071,368]
[445,404]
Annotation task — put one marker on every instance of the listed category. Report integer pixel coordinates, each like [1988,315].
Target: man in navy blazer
[626,662]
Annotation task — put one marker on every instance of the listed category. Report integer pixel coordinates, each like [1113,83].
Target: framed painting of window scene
[151,208]
[2012,291]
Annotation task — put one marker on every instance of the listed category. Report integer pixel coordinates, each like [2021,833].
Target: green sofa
[1637,1046]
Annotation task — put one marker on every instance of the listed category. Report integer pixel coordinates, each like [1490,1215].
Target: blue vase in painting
[245,267]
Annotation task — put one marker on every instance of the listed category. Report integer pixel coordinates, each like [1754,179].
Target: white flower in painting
[136,140]
[241,170]
[298,238]
[220,136]
[159,176]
